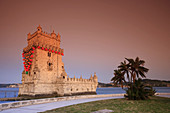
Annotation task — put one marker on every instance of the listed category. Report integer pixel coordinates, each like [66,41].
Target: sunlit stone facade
[44,73]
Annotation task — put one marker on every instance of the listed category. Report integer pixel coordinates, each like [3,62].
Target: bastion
[44,73]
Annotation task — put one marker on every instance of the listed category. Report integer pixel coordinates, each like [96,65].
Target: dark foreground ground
[154,105]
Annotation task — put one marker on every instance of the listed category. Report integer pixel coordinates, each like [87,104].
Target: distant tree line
[150,82]
[7,85]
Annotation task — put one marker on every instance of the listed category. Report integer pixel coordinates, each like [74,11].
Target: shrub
[138,91]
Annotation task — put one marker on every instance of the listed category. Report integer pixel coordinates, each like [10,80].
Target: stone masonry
[44,73]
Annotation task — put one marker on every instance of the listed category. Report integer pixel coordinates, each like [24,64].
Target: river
[113,90]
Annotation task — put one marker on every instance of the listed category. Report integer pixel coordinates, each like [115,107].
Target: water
[8,92]
[114,90]
[99,91]
[119,90]
[162,89]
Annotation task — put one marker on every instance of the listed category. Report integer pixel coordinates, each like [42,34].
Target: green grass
[154,105]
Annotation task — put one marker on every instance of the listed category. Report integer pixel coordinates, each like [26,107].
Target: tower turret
[81,77]
[53,35]
[91,77]
[39,29]
[58,37]
[95,77]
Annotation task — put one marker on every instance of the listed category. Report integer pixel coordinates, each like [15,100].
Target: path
[53,105]
[167,96]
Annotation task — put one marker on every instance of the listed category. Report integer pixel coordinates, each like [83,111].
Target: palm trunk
[132,82]
[128,76]
[134,77]
[131,76]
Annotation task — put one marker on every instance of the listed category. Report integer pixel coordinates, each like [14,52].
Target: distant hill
[156,83]
[105,84]
[9,85]
[153,83]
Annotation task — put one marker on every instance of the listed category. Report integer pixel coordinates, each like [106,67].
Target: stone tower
[44,72]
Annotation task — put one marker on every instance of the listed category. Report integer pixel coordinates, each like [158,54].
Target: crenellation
[80,80]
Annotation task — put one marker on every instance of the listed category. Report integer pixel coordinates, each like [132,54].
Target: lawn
[154,105]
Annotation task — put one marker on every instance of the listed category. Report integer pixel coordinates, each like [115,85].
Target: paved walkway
[53,105]
[168,96]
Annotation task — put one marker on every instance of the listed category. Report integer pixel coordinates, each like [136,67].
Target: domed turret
[39,29]
[58,37]
[53,34]
[81,77]
[91,77]
[95,77]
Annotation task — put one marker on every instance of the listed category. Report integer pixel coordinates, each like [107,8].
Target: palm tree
[124,68]
[137,68]
[118,78]
[133,69]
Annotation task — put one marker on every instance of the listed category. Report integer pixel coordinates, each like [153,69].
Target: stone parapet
[81,80]
[39,32]
[48,100]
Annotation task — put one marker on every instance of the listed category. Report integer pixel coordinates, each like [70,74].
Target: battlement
[49,35]
[93,79]
[40,36]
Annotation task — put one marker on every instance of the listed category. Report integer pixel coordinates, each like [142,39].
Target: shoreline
[23,103]
[12,93]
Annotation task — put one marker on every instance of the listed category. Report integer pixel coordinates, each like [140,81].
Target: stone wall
[79,85]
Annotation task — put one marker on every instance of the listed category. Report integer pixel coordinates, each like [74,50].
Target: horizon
[95,35]
[100,82]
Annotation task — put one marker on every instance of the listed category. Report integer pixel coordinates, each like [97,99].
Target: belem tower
[44,73]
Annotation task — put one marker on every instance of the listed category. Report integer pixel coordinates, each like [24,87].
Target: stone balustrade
[16,104]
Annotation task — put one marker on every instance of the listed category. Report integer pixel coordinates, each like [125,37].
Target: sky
[96,35]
